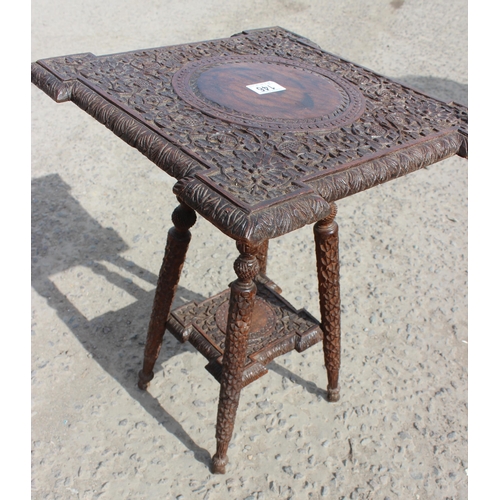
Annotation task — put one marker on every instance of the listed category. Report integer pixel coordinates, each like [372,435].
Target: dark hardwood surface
[305,95]
[310,97]
[259,166]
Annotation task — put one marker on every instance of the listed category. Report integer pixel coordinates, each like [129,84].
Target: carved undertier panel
[277,328]
[322,127]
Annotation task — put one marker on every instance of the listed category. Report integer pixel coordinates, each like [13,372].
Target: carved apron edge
[397,164]
[49,83]
[256,226]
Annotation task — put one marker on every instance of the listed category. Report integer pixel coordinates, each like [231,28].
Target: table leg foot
[219,465]
[333,395]
[178,240]
[327,258]
[144,380]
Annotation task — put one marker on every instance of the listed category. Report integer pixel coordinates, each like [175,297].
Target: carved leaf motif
[409,116]
[247,167]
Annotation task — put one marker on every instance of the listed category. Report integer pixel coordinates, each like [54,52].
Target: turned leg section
[241,304]
[261,256]
[326,236]
[178,240]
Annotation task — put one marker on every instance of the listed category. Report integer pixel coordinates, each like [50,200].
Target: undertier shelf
[277,328]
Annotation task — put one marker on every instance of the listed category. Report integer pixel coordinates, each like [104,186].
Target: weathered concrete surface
[100,215]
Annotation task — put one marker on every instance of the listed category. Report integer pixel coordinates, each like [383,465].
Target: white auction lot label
[265,87]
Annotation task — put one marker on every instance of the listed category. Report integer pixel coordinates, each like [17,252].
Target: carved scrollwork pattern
[327,259]
[253,170]
[284,323]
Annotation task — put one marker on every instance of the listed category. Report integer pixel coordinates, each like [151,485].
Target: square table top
[259,161]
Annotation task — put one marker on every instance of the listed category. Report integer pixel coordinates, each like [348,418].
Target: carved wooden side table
[264,132]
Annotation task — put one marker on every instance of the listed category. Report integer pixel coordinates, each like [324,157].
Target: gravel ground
[100,214]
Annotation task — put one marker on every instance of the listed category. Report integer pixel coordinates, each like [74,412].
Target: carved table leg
[241,304]
[326,237]
[262,256]
[178,240]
